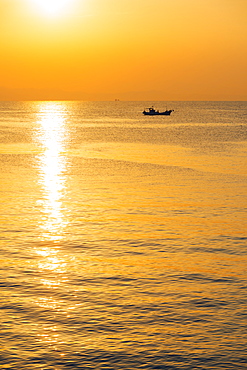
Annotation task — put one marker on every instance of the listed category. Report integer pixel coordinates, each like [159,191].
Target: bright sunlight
[52,135]
[53,8]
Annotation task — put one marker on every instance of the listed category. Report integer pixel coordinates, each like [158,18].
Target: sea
[123,237]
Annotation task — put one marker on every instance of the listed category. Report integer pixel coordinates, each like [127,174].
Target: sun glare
[51,136]
[53,8]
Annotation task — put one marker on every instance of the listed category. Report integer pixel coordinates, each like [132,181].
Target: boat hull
[166,113]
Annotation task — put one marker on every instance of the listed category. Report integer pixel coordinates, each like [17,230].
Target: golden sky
[125,49]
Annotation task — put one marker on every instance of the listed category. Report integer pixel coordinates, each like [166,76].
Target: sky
[125,49]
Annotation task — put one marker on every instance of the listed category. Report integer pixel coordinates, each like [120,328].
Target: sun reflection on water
[50,260]
[52,135]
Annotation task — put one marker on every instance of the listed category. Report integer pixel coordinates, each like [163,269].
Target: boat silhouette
[152,112]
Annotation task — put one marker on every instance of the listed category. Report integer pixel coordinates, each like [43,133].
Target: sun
[52,8]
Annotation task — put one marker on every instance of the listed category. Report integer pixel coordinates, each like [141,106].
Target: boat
[152,112]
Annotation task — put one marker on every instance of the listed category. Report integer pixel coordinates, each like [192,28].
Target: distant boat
[152,112]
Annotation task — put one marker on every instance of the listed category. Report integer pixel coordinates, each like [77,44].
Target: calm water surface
[123,237]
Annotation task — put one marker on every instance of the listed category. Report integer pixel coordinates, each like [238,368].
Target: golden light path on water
[51,262]
[52,165]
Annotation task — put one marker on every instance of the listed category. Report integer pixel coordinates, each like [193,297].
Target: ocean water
[123,237]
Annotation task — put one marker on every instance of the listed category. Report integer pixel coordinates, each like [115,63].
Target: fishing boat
[152,112]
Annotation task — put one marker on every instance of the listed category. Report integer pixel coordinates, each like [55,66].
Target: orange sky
[125,49]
